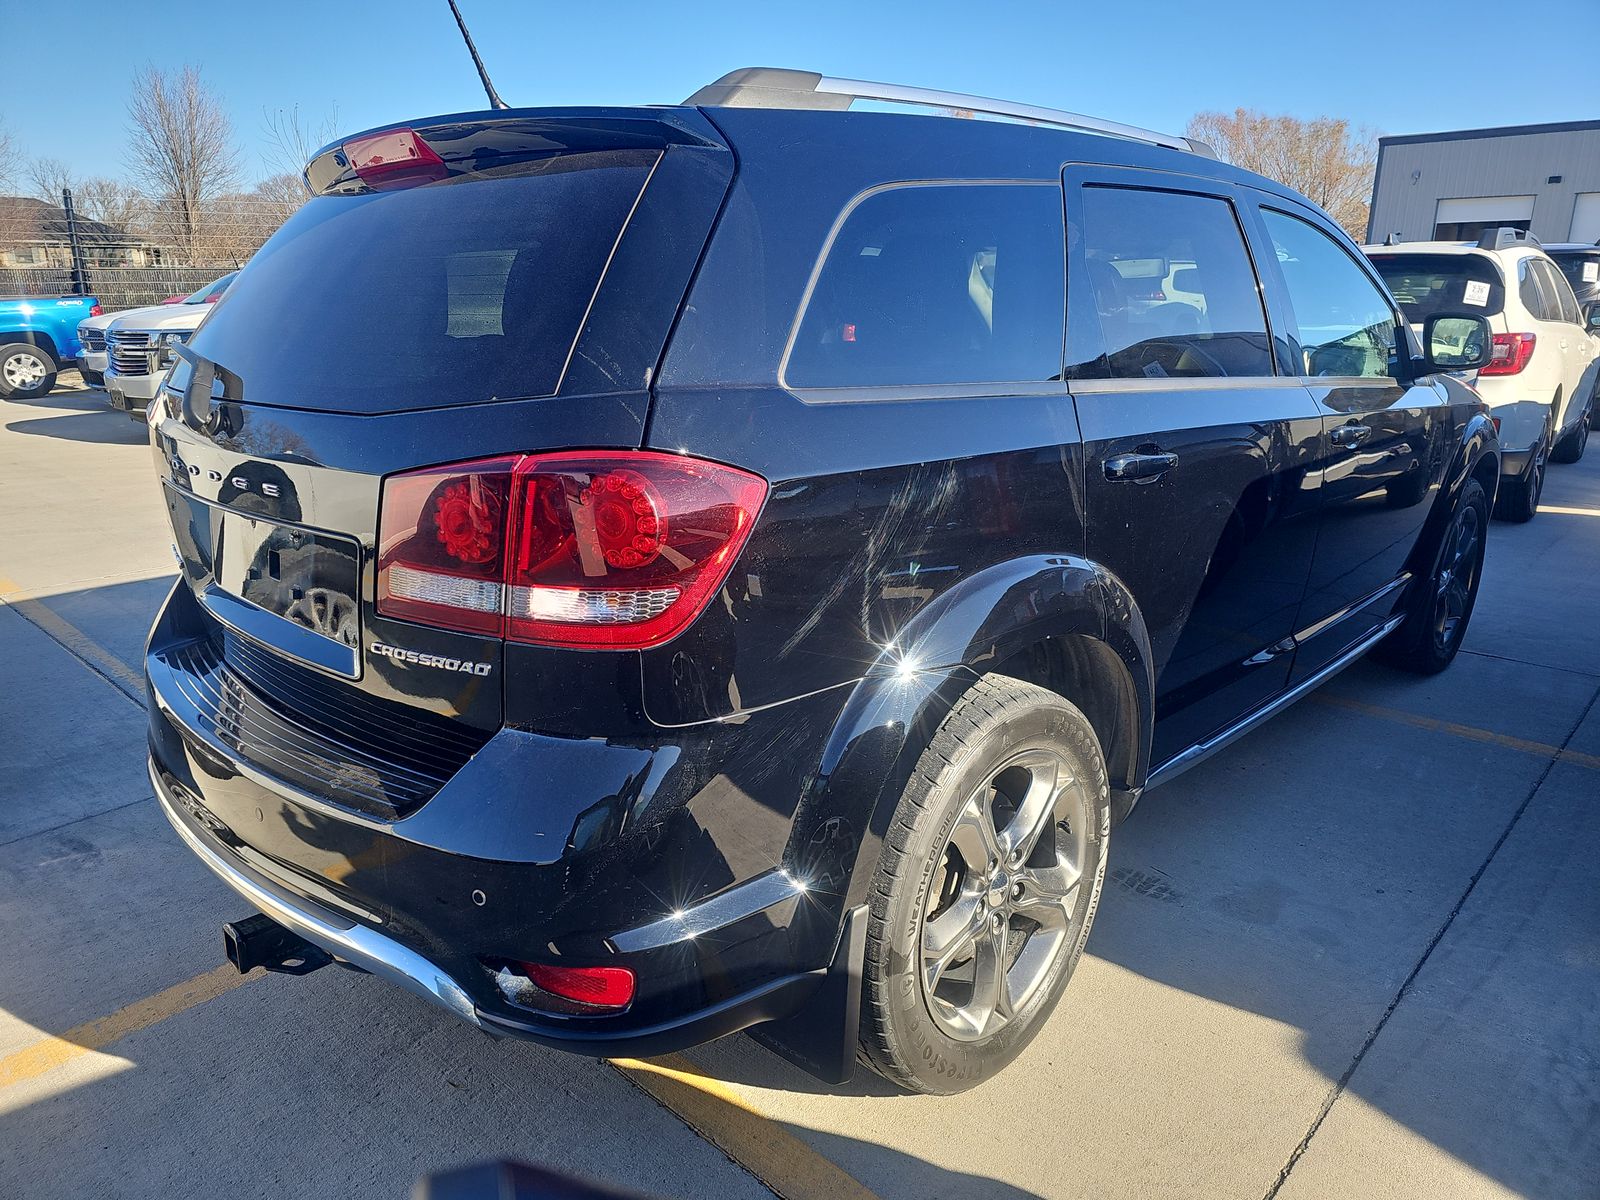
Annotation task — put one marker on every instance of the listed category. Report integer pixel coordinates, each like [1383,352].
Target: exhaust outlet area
[259,941]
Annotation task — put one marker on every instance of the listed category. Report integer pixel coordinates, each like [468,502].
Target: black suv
[731,565]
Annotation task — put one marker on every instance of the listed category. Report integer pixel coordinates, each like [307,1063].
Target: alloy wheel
[23,370]
[1457,576]
[1001,913]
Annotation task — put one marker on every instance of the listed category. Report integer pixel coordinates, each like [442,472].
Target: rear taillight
[96,311]
[394,158]
[1508,353]
[611,549]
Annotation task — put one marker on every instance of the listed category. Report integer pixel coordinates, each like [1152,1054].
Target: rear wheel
[985,888]
[1570,448]
[1518,500]
[26,371]
[1439,607]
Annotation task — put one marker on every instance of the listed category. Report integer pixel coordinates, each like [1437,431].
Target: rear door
[1577,346]
[1198,450]
[1385,438]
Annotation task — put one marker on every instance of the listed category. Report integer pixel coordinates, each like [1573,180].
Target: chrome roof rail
[777,87]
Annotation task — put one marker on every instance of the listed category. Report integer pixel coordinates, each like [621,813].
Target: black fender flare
[893,711]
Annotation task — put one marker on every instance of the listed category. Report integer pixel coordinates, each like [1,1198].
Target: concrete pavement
[1353,955]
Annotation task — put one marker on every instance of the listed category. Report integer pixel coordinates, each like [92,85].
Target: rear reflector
[594,987]
[607,550]
[394,158]
[1508,353]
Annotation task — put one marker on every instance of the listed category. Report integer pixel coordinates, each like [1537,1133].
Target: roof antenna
[494,96]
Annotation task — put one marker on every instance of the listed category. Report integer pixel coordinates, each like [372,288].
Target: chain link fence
[143,253]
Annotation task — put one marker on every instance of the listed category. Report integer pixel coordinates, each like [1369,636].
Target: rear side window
[455,292]
[1540,307]
[937,284]
[1558,295]
[1170,282]
[1426,284]
[1345,325]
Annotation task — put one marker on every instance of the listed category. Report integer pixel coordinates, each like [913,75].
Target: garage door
[1507,209]
[1586,218]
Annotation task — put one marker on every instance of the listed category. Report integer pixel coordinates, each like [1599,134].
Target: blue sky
[1389,66]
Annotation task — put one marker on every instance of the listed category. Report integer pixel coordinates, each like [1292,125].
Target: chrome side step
[1201,751]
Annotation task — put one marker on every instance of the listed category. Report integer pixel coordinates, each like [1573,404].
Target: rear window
[1582,270]
[938,284]
[1426,284]
[469,289]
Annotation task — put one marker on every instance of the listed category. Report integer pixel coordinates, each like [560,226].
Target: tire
[978,792]
[1570,448]
[26,371]
[1439,607]
[1518,501]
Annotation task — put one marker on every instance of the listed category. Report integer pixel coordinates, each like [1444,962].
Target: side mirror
[1456,342]
[1591,318]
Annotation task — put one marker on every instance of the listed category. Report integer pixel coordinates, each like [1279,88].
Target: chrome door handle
[1140,468]
[1350,435]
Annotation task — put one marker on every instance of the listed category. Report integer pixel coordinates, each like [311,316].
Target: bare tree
[49,177]
[293,139]
[10,158]
[111,202]
[182,147]
[1323,158]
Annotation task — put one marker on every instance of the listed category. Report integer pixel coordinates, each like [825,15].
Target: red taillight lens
[1508,353]
[596,987]
[394,158]
[609,550]
[1495,421]
[96,311]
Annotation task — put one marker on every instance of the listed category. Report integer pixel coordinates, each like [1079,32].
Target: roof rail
[1505,237]
[777,87]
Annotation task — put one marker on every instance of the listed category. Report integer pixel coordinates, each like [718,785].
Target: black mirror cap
[1483,340]
[1591,317]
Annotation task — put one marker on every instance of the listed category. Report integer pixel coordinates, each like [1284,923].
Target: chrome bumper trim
[357,945]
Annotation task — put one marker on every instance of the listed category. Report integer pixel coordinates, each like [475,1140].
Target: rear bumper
[537,849]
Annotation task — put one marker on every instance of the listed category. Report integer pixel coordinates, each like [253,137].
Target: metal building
[1453,186]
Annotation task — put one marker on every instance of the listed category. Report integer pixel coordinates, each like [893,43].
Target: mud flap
[821,1038]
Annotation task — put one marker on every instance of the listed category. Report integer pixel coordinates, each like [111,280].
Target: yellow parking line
[49,1053]
[1470,732]
[74,639]
[759,1144]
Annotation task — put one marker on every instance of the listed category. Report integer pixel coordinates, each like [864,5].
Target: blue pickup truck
[39,336]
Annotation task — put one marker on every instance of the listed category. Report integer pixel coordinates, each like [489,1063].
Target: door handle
[1350,435]
[1140,468]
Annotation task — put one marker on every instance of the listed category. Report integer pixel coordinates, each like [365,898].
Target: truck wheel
[1570,448]
[1518,500]
[26,371]
[985,888]
[1439,606]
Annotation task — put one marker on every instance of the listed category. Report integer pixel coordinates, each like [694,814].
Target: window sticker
[1591,272]
[1477,293]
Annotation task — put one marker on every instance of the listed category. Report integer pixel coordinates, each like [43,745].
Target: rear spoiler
[1506,237]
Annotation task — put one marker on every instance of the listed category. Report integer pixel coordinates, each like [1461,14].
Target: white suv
[1542,378]
[139,345]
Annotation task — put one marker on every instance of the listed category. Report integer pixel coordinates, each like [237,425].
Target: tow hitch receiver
[259,941]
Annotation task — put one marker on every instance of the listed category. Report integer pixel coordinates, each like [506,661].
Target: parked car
[1540,384]
[730,589]
[38,336]
[92,355]
[140,345]
[1580,263]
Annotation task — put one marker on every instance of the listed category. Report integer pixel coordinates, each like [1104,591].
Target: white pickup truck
[139,345]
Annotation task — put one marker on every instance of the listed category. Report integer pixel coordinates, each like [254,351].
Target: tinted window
[1532,295]
[1582,271]
[1345,324]
[455,292]
[1425,284]
[1557,293]
[958,283]
[1171,286]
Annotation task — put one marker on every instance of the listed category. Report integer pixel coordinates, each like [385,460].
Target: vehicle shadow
[105,427]
[65,400]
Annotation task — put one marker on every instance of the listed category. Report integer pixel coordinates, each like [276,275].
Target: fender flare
[892,711]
